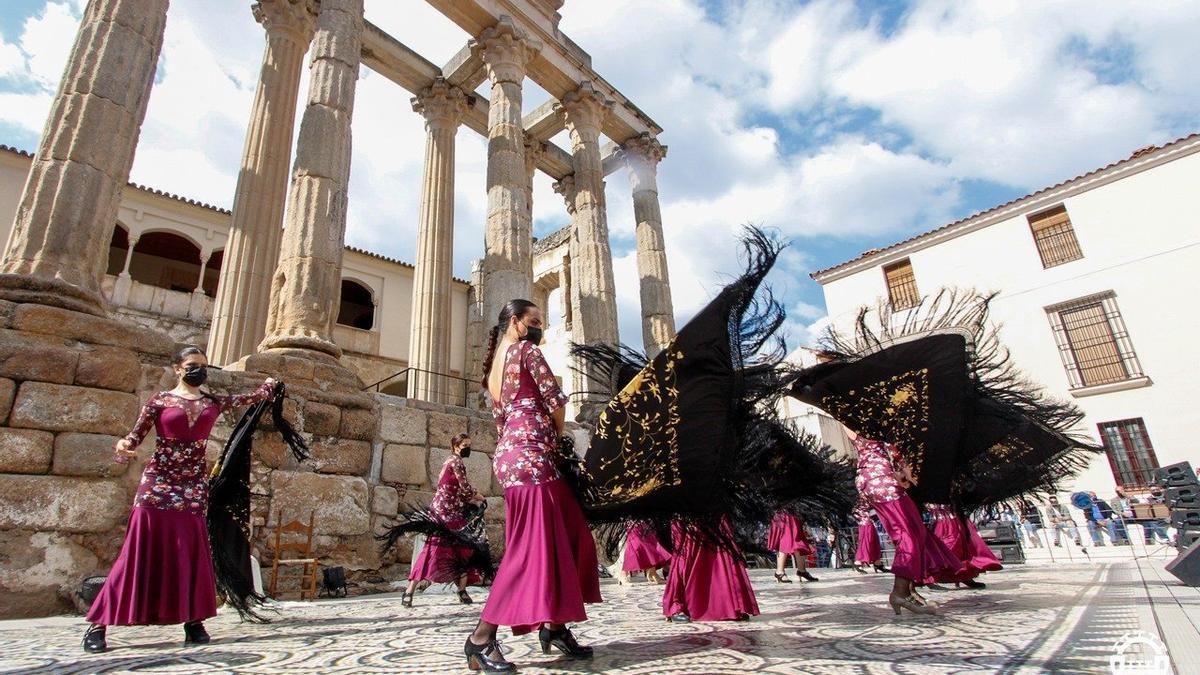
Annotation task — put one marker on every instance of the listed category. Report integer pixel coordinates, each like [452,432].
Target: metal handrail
[465,381]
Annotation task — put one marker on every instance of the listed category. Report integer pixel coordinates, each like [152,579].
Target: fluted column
[244,291]
[594,299]
[642,155]
[442,106]
[307,280]
[58,248]
[508,235]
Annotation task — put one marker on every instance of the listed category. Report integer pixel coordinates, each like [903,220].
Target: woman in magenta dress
[959,535]
[643,552]
[706,582]
[883,478]
[164,573]
[869,551]
[788,536]
[437,559]
[549,569]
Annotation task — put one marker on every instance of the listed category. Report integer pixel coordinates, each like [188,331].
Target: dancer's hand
[124,452]
[271,382]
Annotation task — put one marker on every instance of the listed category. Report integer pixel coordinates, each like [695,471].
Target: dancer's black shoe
[93,639]
[487,657]
[936,587]
[406,599]
[564,641]
[679,617]
[194,633]
[971,583]
[806,576]
[464,597]
[783,578]
[880,567]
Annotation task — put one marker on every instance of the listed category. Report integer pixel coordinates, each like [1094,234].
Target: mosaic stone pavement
[1031,618]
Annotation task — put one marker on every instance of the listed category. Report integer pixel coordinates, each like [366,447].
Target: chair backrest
[300,536]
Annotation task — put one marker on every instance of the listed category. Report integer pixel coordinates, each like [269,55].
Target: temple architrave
[101,280]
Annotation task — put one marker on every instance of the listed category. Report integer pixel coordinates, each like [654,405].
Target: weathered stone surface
[40,571]
[479,471]
[31,356]
[61,503]
[108,368]
[437,457]
[483,435]
[339,502]
[321,419]
[402,424]
[358,424]
[385,501]
[339,455]
[86,455]
[403,464]
[8,390]
[56,407]
[91,329]
[25,450]
[271,450]
[444,427]
[155,378]
[354,553]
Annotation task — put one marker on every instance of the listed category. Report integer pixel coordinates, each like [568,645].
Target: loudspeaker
[1183,519]
[1186,565]
[1009,554]
[1183,497]
[1185,538]
[1175,474]
[998,533]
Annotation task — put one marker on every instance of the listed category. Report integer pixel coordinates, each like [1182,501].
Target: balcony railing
[442,387]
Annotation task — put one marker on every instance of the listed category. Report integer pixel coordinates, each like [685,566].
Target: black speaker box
[1186,565]
[1182,519]
[1185,538]
[1175,474]
[1183,497]
[997,532]
[1009,554]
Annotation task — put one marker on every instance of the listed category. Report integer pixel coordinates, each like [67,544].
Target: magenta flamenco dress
[960,536]
[549,570]
[869,551]
[787,535]
[438,559]
[164,573]
[707,582]
[920,556]
[643,551]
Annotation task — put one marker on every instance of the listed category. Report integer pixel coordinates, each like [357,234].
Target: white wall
[1140,237]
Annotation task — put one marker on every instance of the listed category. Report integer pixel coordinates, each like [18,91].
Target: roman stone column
[58,248]
[508,235]
[534,149]
[642,155]
[244,291]
[443,106]
[307,281]
[594,299]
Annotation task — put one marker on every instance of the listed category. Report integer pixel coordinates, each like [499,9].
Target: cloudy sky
[844,125]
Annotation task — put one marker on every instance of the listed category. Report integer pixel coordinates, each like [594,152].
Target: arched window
[117,250]
[212,272]
[357,308]
[166,260]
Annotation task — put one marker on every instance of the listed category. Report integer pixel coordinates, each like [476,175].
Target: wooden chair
[301,536]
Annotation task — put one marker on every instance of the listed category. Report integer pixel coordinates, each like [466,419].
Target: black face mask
[464,452]
[533,334]
[195,375]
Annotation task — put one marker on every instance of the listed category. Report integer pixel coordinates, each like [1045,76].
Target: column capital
[584,109]
[442,105]
[643,148]
[294,18]
[567,188]
[534,150]
[505,50]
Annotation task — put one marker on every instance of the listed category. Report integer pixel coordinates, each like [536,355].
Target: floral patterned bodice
[175,477]
[877,465]
[862,511]
[453,493]
[527,438]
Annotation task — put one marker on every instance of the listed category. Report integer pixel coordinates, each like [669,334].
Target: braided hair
[515,308]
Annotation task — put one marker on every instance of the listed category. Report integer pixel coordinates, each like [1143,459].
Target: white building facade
[1096,280]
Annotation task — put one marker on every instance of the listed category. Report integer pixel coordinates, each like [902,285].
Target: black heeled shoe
[879,567]
[806,576]
[971,583]
[679,617]
[783,578]
[93,639]
[564,641]
[860,569]
[406,599]
[194,633]
[478,659]
[463,597]
[936,587]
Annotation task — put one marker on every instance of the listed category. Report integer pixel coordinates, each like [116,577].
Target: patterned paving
[1031,618]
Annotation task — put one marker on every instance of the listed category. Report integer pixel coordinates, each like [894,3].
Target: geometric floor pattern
[1031,618]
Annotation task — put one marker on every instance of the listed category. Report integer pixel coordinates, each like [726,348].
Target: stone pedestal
[58,248]
[642,155]
[244,292]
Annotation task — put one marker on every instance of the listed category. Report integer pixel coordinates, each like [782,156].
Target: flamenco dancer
[643,552]
[164,573]
[549,568]
[707,580]
[788,536]
[440,560]
[869,552]
[959,535]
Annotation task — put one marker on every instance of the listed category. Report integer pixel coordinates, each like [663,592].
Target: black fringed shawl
[229,505]
[471,537]
[935,381]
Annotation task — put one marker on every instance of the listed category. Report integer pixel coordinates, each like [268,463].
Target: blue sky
[845,125]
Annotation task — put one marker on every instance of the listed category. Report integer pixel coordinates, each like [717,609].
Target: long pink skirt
[869,551]
[163,575]
[920,556]
[643,551]
[787,535]
[437,562]
[706,582]
[549,567]
[960,536]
